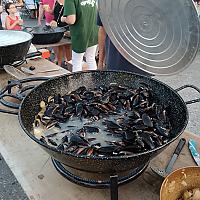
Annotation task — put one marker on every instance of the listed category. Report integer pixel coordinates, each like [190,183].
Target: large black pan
[162,94]
[14,46]
[46,34]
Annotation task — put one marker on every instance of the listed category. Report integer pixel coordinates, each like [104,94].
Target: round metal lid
[158,36]
[10,37]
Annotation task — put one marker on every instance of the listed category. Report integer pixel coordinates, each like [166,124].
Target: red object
[45,53]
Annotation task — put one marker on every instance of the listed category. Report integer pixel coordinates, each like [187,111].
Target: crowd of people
[86,30]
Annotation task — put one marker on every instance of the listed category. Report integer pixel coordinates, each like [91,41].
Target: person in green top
[81,17]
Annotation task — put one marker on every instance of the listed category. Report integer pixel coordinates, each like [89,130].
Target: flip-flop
[65,63]
[67,66]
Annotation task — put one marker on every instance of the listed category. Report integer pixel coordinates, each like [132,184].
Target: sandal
[67,66]
[65,63]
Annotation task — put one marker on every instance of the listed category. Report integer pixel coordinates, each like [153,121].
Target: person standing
[81,17]
[60,51]
[58,13]
[46,9]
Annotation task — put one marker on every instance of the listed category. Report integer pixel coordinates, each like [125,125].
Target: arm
[101,44]
[7,24]
[41,13]
[71,19]
[69,12]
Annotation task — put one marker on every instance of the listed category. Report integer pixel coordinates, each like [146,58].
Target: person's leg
[60,55]
[55,49]
[68,52]
[90,57]
[64,54]
[77,59]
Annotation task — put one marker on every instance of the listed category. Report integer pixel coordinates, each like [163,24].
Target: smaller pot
[14,46]
[46,34]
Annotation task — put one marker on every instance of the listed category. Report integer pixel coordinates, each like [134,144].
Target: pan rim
[98,157]
[22,32]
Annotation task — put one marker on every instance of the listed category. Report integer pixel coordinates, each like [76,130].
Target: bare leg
[55,49]
[67,52]
[60,55]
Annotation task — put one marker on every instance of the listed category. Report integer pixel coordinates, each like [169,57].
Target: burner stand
[111,181]
[15,91]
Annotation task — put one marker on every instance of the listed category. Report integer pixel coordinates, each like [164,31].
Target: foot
[65,63]
[56,62]
[67,66]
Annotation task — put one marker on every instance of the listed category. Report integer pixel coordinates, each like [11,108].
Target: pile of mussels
[109,120]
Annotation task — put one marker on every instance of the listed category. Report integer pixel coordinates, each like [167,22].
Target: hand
[53,23]
[63,19]
[20,22]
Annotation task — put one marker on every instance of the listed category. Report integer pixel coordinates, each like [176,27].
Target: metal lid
[160,37]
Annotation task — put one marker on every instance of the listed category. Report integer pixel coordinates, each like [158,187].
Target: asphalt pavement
[10,189]
[190,76]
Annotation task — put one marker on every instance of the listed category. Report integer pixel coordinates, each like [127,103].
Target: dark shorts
[115,61]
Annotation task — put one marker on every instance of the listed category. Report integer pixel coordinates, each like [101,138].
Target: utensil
[164,172]
[149,37]
[18,74]
[192,147]
[162,94]
[33,72]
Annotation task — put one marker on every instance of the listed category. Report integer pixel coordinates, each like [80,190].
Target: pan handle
[31,55]
[9,112]
[193,87]
[10,104]
[28,28]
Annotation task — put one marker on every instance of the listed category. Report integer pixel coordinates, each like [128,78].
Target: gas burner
[99,181]
[30,55]
[13,93]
